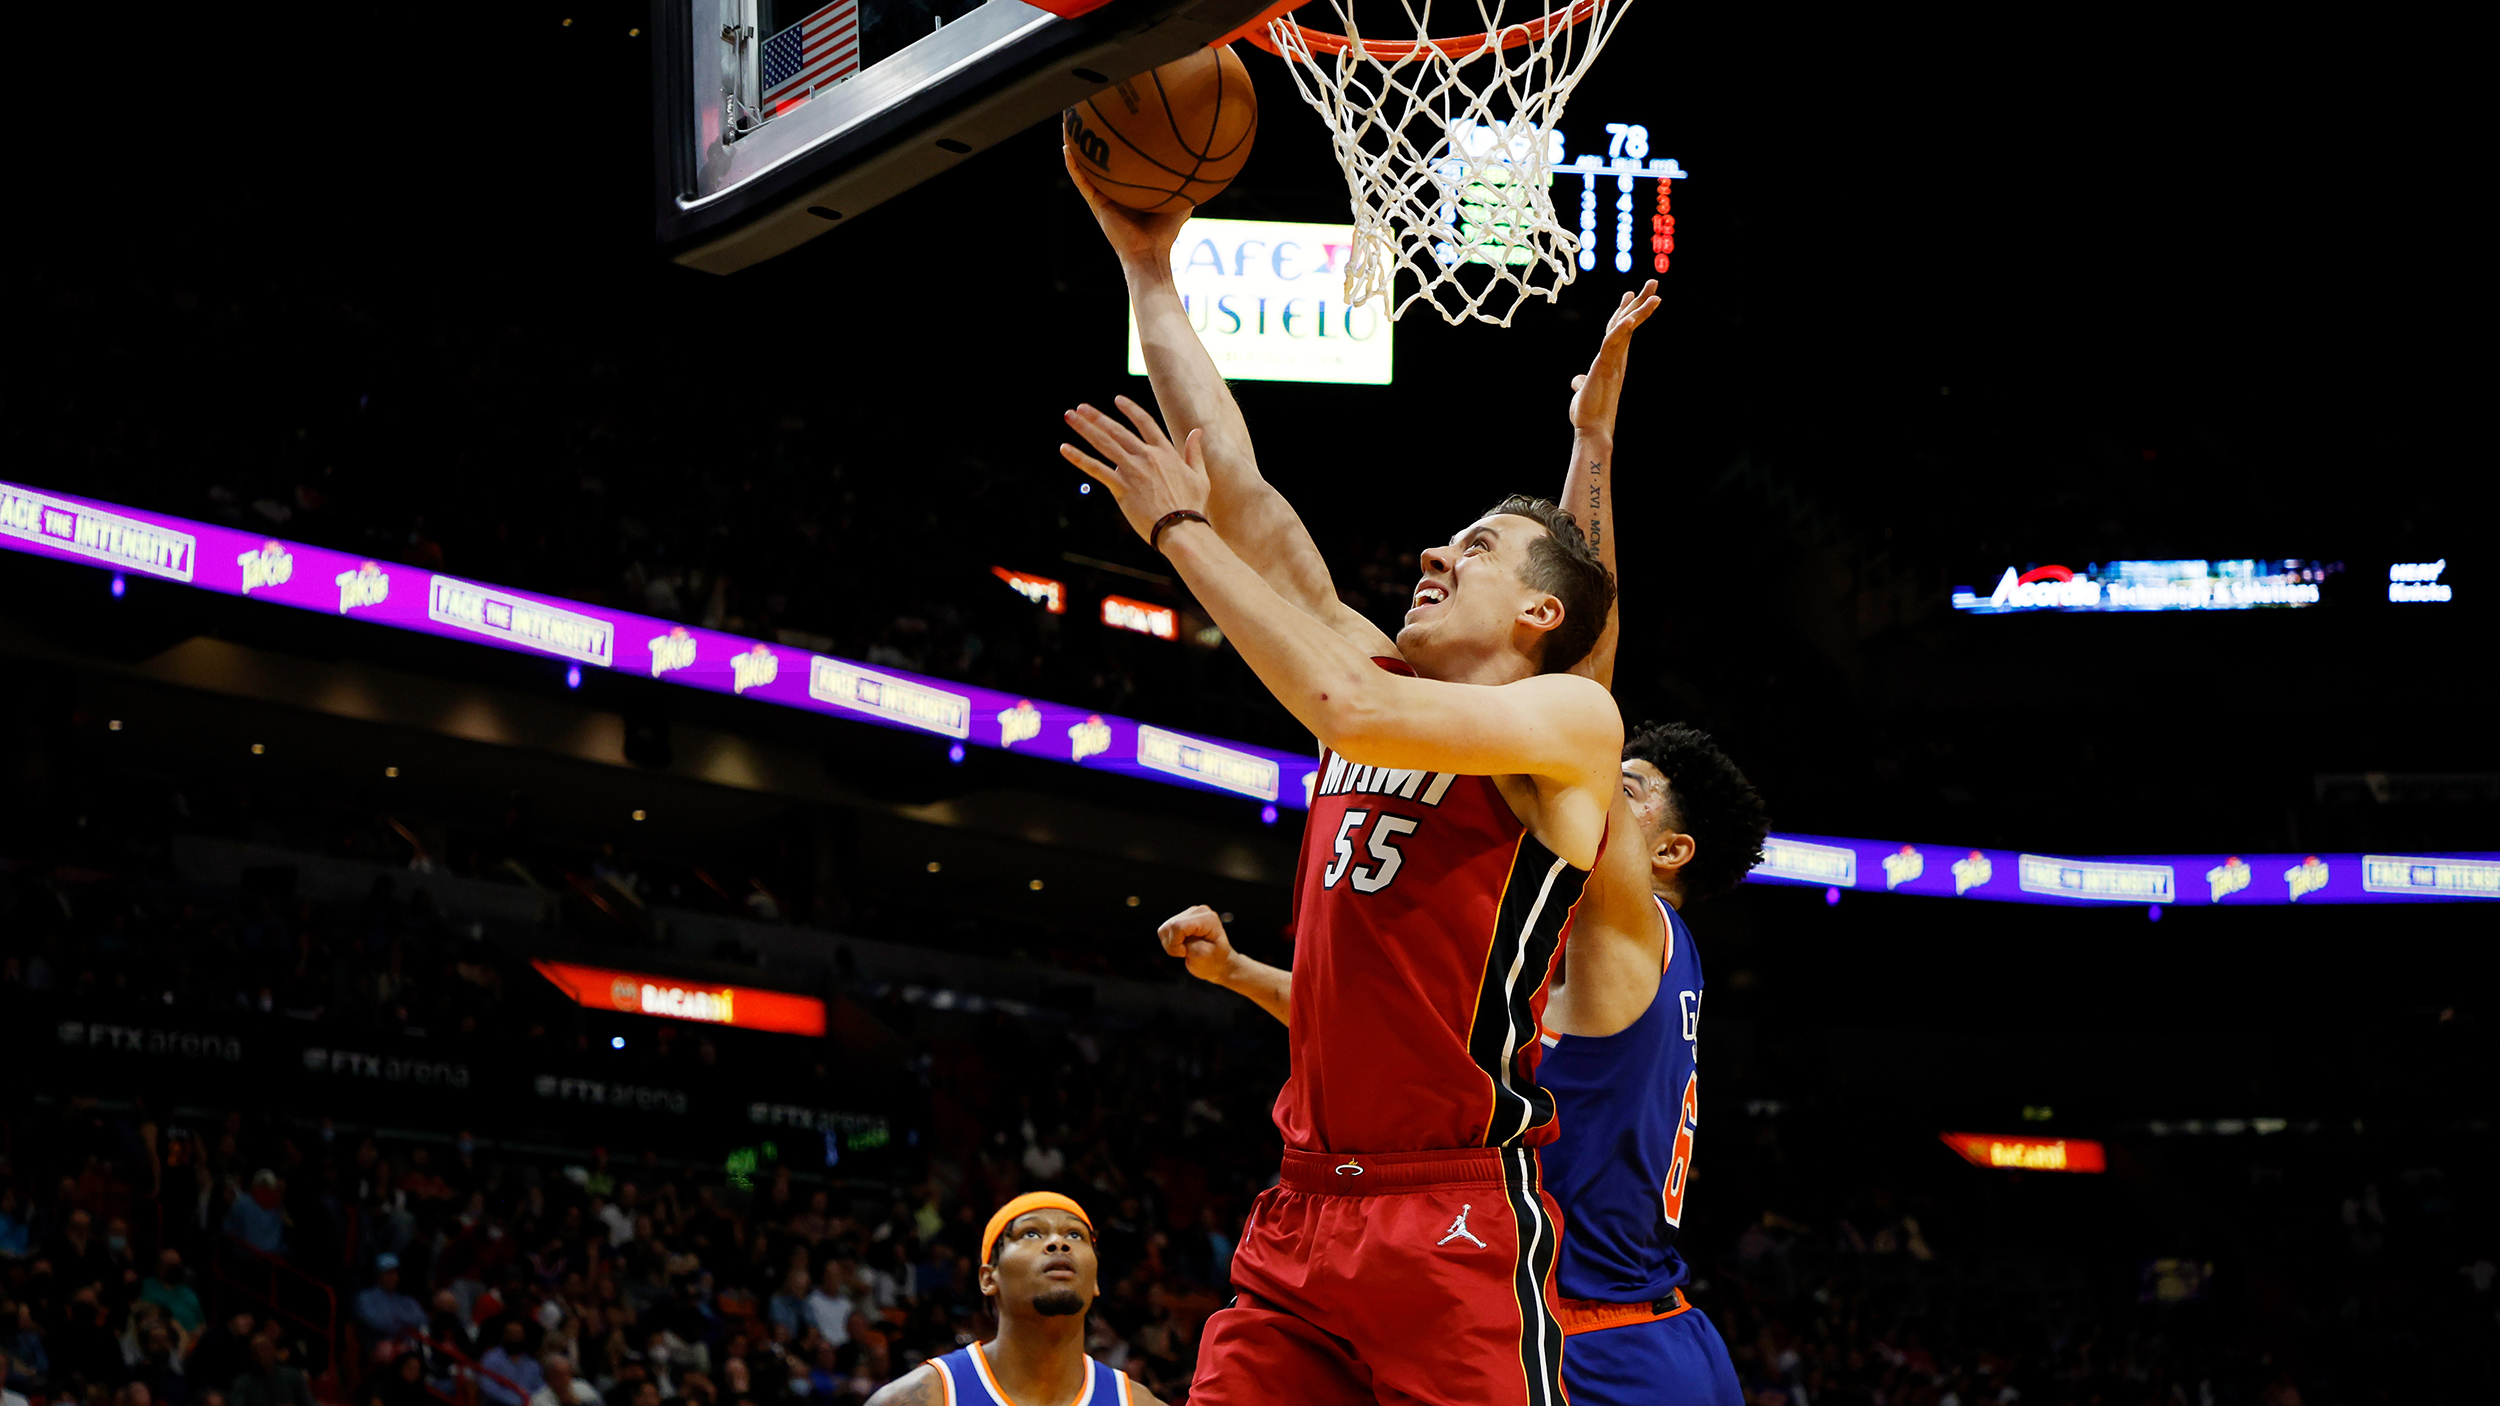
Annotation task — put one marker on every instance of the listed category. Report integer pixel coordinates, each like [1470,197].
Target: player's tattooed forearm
[1597,502]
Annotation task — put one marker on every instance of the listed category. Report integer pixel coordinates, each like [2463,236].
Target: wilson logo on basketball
[1088,144]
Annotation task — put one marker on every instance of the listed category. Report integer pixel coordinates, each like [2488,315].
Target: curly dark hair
[1709,799]
[1563,565]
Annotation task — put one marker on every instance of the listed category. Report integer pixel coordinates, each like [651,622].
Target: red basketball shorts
[1414,1277]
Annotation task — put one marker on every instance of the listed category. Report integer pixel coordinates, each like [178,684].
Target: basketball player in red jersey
[1620,1030]
[1038,1267]
[1465,785]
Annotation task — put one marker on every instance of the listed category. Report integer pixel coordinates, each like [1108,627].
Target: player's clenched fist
[1196,936]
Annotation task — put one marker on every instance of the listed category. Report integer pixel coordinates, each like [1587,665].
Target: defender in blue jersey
[1039,1271]
[1621,1037]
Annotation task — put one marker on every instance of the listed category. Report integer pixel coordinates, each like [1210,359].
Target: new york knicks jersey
[1618,1168]
[1425,923]
[965,1373]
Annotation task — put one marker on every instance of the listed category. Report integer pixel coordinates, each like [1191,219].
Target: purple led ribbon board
[238,563]
[2194,880]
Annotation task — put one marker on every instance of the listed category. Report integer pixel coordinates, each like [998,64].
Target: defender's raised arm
[1588,484]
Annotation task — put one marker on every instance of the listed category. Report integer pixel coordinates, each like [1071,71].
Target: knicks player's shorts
[1671,1359]
[1417,1278]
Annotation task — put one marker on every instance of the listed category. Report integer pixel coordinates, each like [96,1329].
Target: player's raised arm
[1553,728]
[1242,505]
[1588,485]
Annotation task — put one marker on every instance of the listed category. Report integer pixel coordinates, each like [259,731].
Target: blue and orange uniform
[1407,1252]
[965,1374]
[1620,1168]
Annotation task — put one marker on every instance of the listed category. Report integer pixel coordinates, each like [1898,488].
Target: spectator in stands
[224,1351]
[618,1216]
[402,1385]
[29,1367]
[829,1308]
[514,1372]
[121,1267]
[450,1324]
[159,1367]
[16,1226]
[258,1218]
[787,1313]
[170,1288]
[78,1258]
[84,1351]
[561,1387]
[392,1318]
[271,1381]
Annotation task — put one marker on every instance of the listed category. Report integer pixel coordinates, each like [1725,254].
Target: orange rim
[1390,51]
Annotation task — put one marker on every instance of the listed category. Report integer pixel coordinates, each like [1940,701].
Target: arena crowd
[241,1246]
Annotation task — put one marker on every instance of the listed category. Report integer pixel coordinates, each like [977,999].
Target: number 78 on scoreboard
[1626,160]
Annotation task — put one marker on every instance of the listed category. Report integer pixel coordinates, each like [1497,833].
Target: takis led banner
[2191,880]
[234,562]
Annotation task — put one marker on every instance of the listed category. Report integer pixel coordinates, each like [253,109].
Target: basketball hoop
[1448,149]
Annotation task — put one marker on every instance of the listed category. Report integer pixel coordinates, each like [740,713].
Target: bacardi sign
[674,998]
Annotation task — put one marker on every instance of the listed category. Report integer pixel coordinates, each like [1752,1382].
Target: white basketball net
[1448,149]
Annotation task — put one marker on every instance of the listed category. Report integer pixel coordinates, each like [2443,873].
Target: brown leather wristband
[1154,539]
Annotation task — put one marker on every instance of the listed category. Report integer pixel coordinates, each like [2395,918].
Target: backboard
[778,120]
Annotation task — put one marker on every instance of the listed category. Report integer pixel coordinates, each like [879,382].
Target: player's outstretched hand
[1147,475]
[1595,395]
[1135,235]
[1196,936]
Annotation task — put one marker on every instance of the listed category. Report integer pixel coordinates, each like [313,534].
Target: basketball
[1172,137]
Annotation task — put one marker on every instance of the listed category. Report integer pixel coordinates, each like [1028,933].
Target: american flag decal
[811,54]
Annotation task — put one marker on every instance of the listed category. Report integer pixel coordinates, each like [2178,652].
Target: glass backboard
[779,120]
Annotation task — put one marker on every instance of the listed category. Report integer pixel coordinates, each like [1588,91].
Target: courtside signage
[2448,876]
[1268,299]
[2243,584]
[2029,1154]
[1141,617]
[2105,880]
[1807,862]
[899,700]
[79,529]
[1230,768]
[2199,880]
[641,993]
[235,562]
[1050,595]
[526,623]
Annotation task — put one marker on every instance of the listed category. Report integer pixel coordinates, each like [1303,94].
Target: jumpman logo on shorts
[1458,1231]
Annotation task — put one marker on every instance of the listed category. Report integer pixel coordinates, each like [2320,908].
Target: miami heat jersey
[965,1374]
[1618,1169]
[1425,922]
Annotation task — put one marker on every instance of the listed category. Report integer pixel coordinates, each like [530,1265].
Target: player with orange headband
[1038,1263]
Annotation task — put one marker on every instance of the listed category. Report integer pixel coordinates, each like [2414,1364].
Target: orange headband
[1026,1204]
